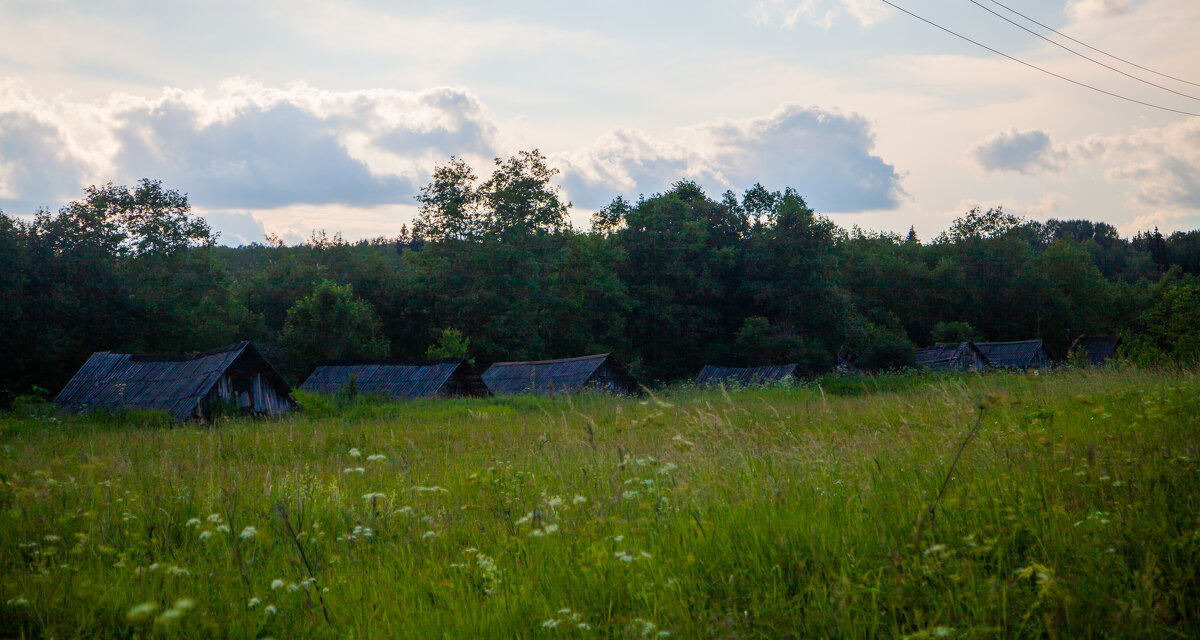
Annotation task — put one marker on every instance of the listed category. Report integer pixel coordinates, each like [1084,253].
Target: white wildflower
[214,518]
[194,522]
[373,496]
[428,534]
[184,604]
[554,502]
[141,612]
[525,518]
[270,610]
[18,601]
[551,528]
[254,602]
[564,611]
[223,528]
[537,533]
[376,457]
[168,616]
[293,587]
[205,535]
[550,624]
[583,626]
[355,453]
[248,533]
[578,499]
[276,584]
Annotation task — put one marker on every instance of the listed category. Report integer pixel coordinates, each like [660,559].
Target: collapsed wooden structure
[445,377]
[600,372]
[952,356]
[1016,354]
[712,375]
[1098,350]
[236,376]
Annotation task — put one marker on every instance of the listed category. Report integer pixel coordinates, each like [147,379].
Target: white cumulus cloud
[823,13]
[1162,162]
[828,157]
[1028,152]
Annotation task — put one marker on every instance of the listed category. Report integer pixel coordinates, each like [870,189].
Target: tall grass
[774,512]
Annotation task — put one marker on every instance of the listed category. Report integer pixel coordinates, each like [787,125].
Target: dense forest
[491,269]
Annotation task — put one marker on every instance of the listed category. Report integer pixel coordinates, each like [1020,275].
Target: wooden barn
[601,372]
[185,386]
[446,377]
[1018,354]
[952,356]
[711,375]
[1098,349]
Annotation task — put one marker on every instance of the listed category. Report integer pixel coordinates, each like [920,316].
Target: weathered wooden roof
[1016,353]
[740,376]
[947,355]
[398,378]
[1099,349]
[173,383]
[557,376]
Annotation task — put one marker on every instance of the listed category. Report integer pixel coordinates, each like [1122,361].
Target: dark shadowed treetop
[517,200]
[148,220]
[979,224]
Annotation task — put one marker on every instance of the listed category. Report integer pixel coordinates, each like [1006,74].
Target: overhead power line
[1085,57]
[1034,66]
[1101,51]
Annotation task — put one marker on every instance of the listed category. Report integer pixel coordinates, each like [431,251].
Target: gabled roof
[173,383]
[559,376]
[949,355]
[1017,353]
[1098,348]
[712,375]
[398,378]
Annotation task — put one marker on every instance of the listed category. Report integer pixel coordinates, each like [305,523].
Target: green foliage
[954,332]
[451,344]
[1170,325]
[331,323]
[697,514]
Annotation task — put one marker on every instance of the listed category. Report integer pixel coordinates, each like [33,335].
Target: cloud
[825,155]
[1028,152]
[248,146]
[1163,162]
[1086,9]
[37,167]
[823,13]
[236,228]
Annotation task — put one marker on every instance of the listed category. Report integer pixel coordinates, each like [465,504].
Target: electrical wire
[1066,48]
[1034,66]
[1080,42]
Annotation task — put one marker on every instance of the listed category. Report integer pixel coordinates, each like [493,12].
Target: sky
[290,116]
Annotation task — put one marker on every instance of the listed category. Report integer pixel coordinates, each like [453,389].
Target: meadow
[834,509]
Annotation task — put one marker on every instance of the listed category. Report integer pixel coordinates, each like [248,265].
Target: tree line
[492,270]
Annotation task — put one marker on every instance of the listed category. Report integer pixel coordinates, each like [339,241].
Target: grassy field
[781,512]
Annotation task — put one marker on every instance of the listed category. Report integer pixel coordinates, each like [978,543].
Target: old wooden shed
[185,386]
[712,375]
[1097,349]
[445,377]
[1017,354]
[601,372]
[951,356]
